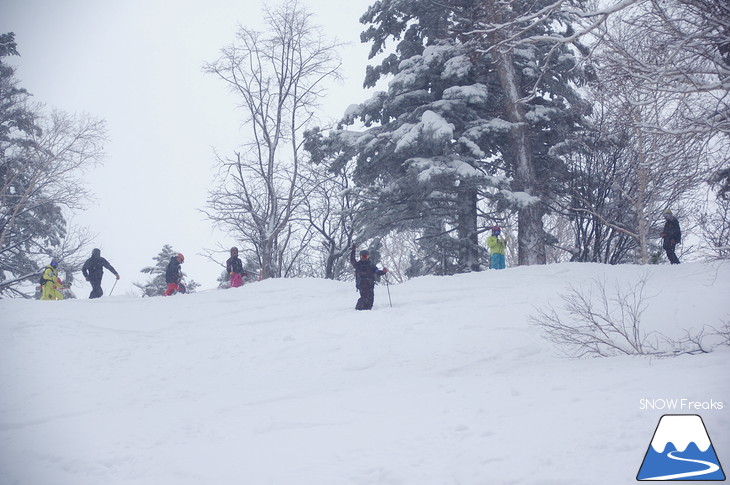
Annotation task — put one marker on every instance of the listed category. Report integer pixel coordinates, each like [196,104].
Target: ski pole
[114,286]
[387,286]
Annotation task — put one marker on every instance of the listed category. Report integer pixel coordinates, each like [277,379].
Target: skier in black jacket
[173,275]
[93,270]
[671,235]
[365,272]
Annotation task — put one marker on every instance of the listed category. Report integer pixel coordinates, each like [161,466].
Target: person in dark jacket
[173,275]
[671,235]
[365,272]
[234,267]
[93,270]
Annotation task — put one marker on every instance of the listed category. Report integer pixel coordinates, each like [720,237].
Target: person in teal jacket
[497,246]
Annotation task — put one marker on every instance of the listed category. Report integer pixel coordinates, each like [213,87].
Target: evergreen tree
[443,137]
[17,125]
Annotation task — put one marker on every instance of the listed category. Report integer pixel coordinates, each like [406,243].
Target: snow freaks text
[679,404]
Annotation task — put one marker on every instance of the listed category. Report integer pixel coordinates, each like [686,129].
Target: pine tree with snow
[442,138]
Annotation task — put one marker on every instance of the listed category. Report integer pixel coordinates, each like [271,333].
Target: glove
[117,277]
[231,273]
[385,270]
[89,279]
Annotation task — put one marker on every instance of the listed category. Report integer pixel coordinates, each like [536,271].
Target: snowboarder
[234,267]
[93,270]
[497,245]
[51,284]
[174,275]
[671,235]
[365,272]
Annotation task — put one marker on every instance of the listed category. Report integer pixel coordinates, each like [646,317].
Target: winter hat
[364,252]
[668,213]
[496,229]
[96,252]
[54,263]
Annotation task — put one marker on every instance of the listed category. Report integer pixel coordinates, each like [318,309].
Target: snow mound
[282,382]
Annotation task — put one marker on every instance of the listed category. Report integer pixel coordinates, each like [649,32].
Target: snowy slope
[282,382]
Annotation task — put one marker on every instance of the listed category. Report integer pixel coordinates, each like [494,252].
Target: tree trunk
[329,269]
[267,259]
[641,196]
[641,211]
[531,232]
[467,229]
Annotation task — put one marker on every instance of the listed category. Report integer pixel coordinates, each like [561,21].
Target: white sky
[138,65]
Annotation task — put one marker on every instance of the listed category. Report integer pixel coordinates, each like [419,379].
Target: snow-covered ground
[282,382]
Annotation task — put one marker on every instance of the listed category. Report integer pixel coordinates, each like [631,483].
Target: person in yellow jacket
[497,246]
[51,287]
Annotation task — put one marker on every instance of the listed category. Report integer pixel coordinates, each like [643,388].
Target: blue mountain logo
[681,450]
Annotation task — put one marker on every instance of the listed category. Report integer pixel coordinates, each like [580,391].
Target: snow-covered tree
[532,47]
[42,157]
[660,124]
[329,209]
[444,135]
[679,48]
[715,225]
[714,222]
[594,204]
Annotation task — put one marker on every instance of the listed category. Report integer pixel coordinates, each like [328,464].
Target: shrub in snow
[595,322]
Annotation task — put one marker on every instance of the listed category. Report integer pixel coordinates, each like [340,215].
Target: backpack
[41,280]
[676,230]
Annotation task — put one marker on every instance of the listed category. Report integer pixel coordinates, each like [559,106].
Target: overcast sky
[138,65]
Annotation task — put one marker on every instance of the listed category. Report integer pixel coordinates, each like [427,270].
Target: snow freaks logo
[681,450]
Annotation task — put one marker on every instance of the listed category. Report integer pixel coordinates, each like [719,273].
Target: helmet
[180,257]
[364,253]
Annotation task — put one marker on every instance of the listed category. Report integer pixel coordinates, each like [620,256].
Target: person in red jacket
[365,272]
